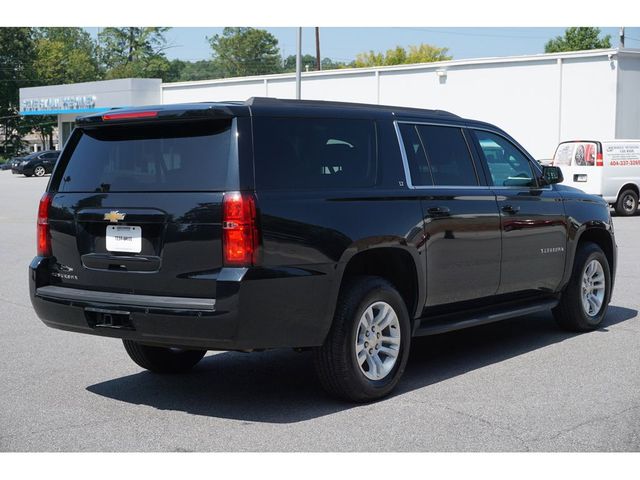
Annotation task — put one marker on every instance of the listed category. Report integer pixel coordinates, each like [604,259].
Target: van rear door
[581,165]
[137,208]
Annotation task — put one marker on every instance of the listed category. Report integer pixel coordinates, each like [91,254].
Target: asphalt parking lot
[518,385]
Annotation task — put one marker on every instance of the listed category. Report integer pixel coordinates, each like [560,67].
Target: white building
[539,99]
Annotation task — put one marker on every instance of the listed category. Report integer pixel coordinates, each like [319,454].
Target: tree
[65,55]
[61,55]
[290,63]
[578,38]
[185,71]
[240,52]
[16,70]
[329,64]
[423,53]
[134,52]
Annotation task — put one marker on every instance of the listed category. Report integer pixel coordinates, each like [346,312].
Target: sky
[343,44]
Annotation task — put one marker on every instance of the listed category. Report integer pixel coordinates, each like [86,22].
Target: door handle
[438,211]
[510,209]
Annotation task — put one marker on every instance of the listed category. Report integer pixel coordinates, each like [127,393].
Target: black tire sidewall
[620,210]
[381,293]
[590,252]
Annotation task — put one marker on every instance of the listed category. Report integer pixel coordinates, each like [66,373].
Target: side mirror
[552,175]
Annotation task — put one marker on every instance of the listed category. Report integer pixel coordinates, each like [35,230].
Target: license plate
[124,239]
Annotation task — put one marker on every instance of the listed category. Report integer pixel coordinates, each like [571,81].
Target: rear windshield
[190,156]
[576,153]
[302,153]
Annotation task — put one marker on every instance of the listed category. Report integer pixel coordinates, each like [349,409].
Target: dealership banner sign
[55,105]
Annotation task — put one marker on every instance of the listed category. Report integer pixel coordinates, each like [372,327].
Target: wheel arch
[601,236]
[398,263]
[627,186]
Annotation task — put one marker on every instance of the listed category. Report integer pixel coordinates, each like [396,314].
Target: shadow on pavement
[281,387]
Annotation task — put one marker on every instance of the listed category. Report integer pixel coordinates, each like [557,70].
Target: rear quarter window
[190,156]
[305,153]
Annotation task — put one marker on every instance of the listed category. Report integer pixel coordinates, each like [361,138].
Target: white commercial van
[610,169]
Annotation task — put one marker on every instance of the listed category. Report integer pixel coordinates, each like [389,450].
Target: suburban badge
[114,216]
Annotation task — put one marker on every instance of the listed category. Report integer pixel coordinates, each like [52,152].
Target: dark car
[38,163]
[346,229]
[9,164]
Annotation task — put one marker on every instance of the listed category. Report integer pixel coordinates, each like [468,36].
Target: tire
[39,171]
[571,314]
[627,203]
[163,359]
[336,361]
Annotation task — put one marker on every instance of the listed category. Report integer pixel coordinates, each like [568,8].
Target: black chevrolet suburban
[342,228]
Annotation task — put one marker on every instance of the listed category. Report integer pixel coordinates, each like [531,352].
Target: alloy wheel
[377,343]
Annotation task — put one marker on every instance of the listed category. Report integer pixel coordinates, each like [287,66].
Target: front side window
[508,166]
[314,152]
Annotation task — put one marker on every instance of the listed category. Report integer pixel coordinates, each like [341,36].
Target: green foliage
[65,55]
[423,53]
[328,64]
[182,71]
[289,63]
[16,70]
[578,38]
[240,52]
[134,52]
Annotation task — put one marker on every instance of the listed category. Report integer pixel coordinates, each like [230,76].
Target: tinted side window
[190,156]
[416,157]
[314,152]
[508,166]
[448,155]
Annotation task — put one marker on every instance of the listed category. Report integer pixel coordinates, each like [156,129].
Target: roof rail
[271,101]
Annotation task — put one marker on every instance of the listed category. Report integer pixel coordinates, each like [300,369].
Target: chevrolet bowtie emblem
[114,216]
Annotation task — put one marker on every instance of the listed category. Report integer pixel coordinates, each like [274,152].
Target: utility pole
[299,64]
[318,64]
[621,37]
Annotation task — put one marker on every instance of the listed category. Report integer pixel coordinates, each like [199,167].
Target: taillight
[240,236]
[43,236]
[599,162]
[129,115]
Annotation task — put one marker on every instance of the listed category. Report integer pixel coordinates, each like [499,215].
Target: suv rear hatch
[137,205]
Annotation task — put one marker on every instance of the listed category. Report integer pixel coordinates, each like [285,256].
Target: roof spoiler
[156,113]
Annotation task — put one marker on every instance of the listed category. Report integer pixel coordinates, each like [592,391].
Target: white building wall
[628,97]
[539,99]
[521,98]
[212,91]
[588,98]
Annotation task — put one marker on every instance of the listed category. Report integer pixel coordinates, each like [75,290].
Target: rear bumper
[254,309]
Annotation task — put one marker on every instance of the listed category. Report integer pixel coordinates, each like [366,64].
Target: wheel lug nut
[371,351]
[366,344]
[366,333]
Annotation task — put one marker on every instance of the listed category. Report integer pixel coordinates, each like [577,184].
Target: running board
[451,322]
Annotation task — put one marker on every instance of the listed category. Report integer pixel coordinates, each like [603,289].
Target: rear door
[534,230]
[137,208]
[581,165]
[461,221]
